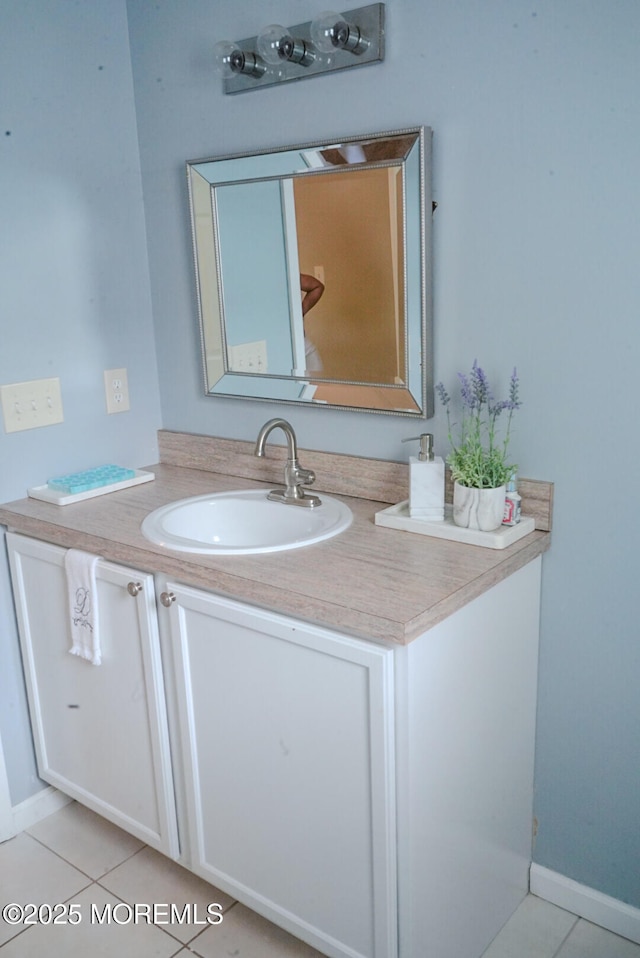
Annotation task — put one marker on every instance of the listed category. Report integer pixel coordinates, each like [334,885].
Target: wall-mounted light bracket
[363,45]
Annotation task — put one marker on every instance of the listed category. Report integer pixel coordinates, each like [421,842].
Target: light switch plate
[31,405]
[248,357]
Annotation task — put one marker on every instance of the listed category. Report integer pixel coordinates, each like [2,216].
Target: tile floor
[75,856]
[539,929]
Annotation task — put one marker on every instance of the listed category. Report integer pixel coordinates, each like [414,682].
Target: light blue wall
[73,270]
[535,109]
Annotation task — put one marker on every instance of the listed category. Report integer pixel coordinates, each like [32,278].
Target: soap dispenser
[426,481]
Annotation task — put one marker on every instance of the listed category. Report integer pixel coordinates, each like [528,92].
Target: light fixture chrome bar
[247,64]
[295,50]
[363,36]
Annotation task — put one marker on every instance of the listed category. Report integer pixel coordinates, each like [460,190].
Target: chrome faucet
[294,476]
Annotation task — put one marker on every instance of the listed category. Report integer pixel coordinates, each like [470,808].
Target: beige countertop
[370,581]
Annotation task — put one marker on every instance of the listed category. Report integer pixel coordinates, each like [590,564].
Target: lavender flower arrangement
[479,460]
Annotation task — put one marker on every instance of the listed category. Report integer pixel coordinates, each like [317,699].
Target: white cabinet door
[100,731]
[287,738]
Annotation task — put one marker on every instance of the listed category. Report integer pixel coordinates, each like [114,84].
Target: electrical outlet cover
[116,388]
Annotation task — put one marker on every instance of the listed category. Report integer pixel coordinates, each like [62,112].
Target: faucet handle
[306,476]
[293,493]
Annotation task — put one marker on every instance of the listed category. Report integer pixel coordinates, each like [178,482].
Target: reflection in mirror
[357,325]
[311,268]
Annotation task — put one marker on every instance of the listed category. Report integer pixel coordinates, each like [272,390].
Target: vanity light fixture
[332,41]
[229,59]
[330,31]
[276,44]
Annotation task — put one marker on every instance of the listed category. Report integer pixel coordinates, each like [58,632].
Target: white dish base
[60,498]
[397,517]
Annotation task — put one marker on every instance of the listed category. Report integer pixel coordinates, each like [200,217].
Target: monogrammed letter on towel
[83,605]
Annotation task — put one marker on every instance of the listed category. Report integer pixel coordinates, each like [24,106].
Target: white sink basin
[243,522]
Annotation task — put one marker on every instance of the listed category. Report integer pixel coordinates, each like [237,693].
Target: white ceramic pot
[481,509]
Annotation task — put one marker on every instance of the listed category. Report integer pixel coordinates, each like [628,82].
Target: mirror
[312,273]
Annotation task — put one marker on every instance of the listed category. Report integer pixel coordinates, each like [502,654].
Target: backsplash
[375,479]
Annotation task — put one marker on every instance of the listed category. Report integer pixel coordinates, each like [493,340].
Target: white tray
[60,498]
[397,517]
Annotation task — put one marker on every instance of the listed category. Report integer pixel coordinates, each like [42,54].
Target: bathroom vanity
[339,736]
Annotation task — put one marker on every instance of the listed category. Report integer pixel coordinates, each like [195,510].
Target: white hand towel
[83,604]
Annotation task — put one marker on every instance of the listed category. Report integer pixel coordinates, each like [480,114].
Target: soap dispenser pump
[426,481]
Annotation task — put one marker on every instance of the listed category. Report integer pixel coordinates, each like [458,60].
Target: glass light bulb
[322,30]
[222,52]
[269,42]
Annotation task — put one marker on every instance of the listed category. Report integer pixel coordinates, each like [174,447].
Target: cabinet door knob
[167,598]
[134,588]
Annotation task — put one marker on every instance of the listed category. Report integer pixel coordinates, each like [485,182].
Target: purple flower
[466,391]
[514,402]
[496,408]
[445,398]
[479,383]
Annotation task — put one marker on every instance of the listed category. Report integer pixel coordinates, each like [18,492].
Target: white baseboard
[37,807]
[609,913]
